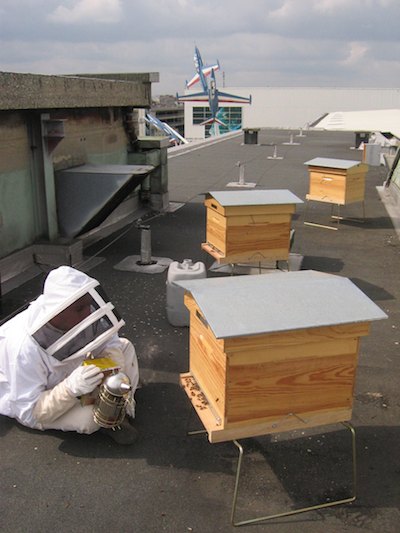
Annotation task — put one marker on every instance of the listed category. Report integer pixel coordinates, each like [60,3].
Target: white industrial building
[286,107]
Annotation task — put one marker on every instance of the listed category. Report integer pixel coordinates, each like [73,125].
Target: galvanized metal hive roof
[332,163]
[252,305]
[255,197]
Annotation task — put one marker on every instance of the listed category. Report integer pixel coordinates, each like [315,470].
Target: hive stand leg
[295,511]
[280,265]
[338,217]
[307,223]
[189,432]
[287,261]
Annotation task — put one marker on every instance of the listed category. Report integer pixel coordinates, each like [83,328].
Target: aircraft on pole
[205,69]
[210,92]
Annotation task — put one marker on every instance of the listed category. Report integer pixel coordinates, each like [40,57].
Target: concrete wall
[17,192]
[153,151]
[29,91]
[91,136]
[297,107]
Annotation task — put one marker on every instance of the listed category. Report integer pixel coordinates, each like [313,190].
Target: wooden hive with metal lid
[249,226]
[336,181]
[274,352]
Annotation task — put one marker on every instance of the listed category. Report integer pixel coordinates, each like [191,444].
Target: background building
[286,107]
[168,110]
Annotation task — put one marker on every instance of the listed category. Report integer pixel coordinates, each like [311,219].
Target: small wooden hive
[337,181]
[273,352]
[249,226]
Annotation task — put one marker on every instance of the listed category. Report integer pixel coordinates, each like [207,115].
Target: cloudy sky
[342,43]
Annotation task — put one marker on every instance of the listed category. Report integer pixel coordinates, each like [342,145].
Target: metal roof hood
[87,194]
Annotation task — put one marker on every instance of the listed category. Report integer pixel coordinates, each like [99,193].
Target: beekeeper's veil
[64,286]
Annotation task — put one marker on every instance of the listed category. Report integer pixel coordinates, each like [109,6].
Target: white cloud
[356,52]
[286,10]
[332,5]
[274,42]
[88,12]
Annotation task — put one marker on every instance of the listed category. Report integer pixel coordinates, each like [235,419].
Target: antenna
[241,182]
[291,143]
[275,155]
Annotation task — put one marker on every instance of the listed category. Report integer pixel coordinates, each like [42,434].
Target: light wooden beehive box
[246,226]
[337,181]
[273,352]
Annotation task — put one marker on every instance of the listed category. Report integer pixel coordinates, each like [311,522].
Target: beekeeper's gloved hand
[84,379]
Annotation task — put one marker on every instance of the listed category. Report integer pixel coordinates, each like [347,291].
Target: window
[230,116]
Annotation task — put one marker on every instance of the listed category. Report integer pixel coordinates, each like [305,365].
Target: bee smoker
[110,406]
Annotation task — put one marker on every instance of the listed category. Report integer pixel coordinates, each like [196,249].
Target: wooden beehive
[336,181]
[249,226]
[274,352]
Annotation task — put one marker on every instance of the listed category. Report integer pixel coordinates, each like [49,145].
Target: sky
[259,43]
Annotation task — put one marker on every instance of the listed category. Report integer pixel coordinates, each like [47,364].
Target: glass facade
[230,116]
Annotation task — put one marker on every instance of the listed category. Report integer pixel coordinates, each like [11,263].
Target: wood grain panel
[287,352]
[262,238]
[208,364]
[296,337]
[276,389]
[216,231]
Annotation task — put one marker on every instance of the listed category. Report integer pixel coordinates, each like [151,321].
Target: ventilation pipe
[145,246]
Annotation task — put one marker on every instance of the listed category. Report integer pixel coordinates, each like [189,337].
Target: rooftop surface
[169,481]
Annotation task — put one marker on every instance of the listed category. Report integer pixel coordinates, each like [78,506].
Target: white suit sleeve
[53,403]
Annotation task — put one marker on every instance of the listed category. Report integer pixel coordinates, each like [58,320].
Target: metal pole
[241,174]
[145,246]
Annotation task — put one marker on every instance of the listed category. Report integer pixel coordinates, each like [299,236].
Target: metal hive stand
[316,507]
[337,218]
[294,511]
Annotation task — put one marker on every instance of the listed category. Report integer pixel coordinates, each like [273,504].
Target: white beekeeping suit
[41,375]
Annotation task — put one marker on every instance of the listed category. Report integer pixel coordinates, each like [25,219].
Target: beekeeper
[42,379]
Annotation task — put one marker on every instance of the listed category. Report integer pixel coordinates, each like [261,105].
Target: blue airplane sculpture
[174,136]
[210,93]
[205,69]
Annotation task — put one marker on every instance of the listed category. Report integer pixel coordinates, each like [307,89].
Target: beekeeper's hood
[64,286]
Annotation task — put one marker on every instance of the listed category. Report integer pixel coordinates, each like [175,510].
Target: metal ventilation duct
[87,194]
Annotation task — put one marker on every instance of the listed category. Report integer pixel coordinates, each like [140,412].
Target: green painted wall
[17,228]
[17,218]
[26,191]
